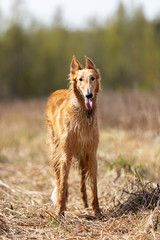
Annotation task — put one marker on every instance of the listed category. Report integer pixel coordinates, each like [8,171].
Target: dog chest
[84,137]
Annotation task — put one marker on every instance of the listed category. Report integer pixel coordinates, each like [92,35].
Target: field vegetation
[128,173]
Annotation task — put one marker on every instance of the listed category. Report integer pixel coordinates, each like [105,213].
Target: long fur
[72,132]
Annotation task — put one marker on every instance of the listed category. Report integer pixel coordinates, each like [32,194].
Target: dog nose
[90,95]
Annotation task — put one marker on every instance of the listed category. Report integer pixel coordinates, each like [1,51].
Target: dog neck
[79,104]
[88,113]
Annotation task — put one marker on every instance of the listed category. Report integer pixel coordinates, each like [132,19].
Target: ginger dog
[72,132]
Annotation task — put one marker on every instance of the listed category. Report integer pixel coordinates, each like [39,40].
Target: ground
[128,177]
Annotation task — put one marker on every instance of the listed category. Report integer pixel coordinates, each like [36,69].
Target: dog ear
[75,66]
[89,63]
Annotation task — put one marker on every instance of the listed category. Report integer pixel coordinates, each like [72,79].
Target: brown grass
[128,158]
[130,110]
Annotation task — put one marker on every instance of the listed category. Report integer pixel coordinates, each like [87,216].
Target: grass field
[128,173]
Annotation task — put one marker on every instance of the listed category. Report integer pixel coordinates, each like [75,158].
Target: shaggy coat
[72,132]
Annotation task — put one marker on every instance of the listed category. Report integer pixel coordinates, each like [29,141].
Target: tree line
[34,60]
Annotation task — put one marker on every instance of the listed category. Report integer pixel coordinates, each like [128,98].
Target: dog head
[86,81]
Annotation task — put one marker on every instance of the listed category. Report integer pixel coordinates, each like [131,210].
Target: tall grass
[131,110]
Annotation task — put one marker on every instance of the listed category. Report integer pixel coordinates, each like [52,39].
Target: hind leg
[54,150]
[54,196]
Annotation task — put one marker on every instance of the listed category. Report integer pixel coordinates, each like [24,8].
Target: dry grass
[131,110]
[128,159]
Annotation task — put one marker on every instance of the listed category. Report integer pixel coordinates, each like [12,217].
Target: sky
[75,14]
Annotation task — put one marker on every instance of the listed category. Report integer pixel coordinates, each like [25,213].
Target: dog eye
[80,79]
[92,78]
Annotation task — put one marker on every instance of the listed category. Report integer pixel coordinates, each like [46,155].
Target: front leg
[92,170]
[83,184]
[65,163]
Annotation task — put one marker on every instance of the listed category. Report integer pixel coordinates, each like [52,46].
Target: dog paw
[100,216]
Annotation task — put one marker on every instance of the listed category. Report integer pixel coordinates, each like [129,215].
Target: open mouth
[89,103]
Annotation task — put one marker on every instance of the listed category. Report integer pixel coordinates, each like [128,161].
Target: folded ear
[75,66]
[89,63]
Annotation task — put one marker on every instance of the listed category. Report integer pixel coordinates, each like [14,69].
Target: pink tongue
[88,103]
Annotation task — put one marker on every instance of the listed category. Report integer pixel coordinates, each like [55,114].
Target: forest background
[35,58]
